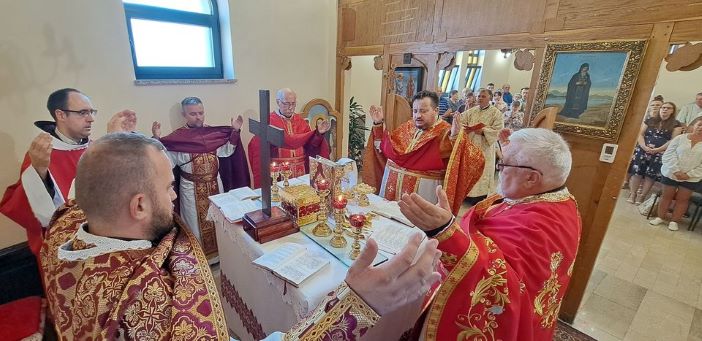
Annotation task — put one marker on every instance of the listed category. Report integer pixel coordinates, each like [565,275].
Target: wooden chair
[546,118]
[317,109]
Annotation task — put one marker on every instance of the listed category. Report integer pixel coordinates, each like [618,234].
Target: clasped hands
[410,274]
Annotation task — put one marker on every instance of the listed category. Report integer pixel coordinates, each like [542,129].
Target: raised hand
[376,113]
[424,214]
[398,281]
[237,123]
[323,126]
[123,121]
[156,129]
[503,136]
[40,153]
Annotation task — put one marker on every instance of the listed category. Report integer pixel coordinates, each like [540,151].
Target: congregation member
[654,138]
[490,86]
[300,142]
[498,102]
[49,166]
[514,118]
[524,92]
[506,95]
[453,104]
[681,174]
[469,101]
[207,161]
[691,111]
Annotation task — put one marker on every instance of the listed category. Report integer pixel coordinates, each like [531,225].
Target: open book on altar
[292,262]
[237,202]
[390,210]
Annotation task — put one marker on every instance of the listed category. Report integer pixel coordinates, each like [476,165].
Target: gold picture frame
[591,83]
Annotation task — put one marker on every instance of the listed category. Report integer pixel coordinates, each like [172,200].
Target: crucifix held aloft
[268,223]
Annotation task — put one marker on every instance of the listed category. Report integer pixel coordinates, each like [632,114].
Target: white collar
[99,246]
[65,138]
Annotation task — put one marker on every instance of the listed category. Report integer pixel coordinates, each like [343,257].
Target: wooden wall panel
[598,13]
[471,18]
[391,21]
[686,31]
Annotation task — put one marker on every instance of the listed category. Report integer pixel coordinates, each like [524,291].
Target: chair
[695,199]
[546,118]
[317,109]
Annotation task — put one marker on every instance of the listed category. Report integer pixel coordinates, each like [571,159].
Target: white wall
[500,70]
[47,45]
[678,87]
[364,83]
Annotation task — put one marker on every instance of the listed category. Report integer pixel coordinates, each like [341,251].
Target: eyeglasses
[287,104]
[82,113]
[501,166]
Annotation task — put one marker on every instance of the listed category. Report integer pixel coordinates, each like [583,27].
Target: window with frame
[174,39]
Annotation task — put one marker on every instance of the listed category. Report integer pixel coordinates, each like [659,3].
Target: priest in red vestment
[207,161]
[49,166]
[132,270]
[414,158]
[300,141]
[510,259]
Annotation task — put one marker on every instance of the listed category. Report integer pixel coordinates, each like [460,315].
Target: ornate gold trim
[448,233]
[447,288]
[635,52]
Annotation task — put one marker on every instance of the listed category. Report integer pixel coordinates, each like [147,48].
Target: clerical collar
[557,194]
[481,108]
[65,138]
[283,116]
[97,245]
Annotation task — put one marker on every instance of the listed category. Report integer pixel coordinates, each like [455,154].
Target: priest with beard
[207,161]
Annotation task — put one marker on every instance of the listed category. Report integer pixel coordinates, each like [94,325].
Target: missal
[292,262]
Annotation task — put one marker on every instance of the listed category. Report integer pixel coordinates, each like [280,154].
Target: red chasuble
[509,267]
[300,142]
[428,156]
[27,202]
[164,292]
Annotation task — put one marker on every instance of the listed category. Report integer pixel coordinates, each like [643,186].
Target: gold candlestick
[362,190]
[322,229]
[338,241]
[286,176]
[275,197]
[357,221]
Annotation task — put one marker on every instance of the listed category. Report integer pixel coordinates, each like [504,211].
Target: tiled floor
[647,282]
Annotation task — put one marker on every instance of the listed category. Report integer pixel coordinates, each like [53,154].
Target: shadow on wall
[11,173]
[25,74]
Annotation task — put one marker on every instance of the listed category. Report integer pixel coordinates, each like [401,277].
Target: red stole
[299,141]
[425,154]
[509,267]
[15,204]
[162,293]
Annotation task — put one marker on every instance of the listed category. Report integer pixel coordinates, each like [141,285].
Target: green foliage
[357,132]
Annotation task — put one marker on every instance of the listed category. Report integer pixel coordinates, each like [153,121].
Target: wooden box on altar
[301,202]
[263,228]
[342,175]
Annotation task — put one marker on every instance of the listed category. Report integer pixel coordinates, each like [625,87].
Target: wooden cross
[268,135]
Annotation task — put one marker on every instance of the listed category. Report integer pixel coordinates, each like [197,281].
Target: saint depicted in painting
[578,93]
[410,87]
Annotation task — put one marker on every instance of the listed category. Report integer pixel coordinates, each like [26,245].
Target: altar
[257,303]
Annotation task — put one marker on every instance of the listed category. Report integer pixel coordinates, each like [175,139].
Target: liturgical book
[237,202]
[292,262]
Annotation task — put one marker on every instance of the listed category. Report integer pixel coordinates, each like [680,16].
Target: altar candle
[274,167]
[286,166]
[340,202]
[322,184]
[357,220]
